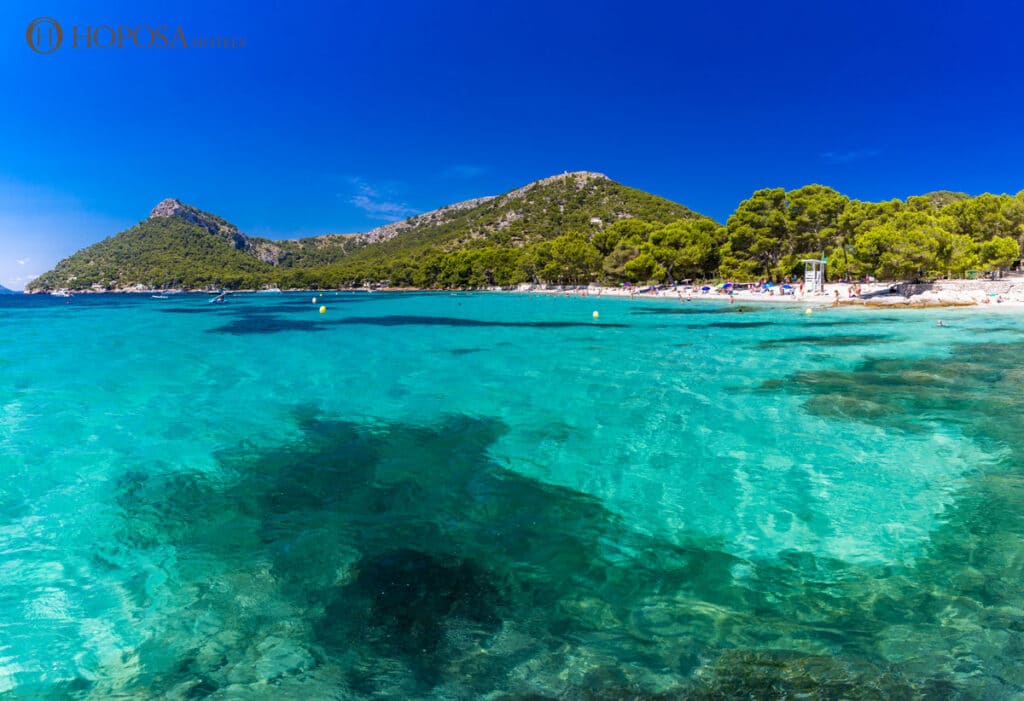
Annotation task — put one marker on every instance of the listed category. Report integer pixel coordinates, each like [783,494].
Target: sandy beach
[1008,292]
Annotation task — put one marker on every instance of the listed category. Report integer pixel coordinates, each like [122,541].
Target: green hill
[545,209]
[544,231]
[181,245]
[161,251]
[574,202]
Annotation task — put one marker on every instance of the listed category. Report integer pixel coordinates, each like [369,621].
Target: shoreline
[958,294]
[1006,293]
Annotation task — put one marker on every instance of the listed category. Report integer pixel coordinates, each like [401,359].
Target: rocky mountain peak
[168,207]
[171,207]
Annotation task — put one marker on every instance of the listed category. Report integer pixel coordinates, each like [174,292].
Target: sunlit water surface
[498,496]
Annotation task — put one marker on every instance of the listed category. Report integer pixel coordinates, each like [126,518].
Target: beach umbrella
[727,285]
[787,287]
[705,289]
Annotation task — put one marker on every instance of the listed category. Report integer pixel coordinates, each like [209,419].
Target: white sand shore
[1008,292]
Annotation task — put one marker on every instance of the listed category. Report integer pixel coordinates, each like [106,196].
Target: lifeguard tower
[814,275]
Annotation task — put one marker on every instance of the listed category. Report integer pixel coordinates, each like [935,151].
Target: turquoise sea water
[496,496]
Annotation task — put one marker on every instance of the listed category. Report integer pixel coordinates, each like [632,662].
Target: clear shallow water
[465,496]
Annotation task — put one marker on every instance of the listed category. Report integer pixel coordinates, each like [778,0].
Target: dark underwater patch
[749,674]
[443,547]
[261,324]
[303,306]
[407,320]
[211,309]
[407,602]
[413,562]
[850,340]
[972,387]
[988,329]
[731,325]
[859,321]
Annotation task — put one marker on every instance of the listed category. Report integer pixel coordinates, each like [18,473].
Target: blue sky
[340,116]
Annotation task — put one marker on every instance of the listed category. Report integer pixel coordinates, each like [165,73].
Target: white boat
[161,296]
[269,291]
[60,293]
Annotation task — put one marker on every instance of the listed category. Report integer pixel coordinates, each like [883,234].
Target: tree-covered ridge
[309,252]
[160,251]
[573,229]
[570,203]
[543,209]
[329,248]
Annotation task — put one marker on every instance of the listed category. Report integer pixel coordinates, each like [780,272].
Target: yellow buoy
[809,311]
[596,315]
[323,309]
[314,300]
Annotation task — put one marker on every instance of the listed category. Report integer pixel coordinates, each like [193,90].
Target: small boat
[60,293]
[219,299]
[160,296]
[269,291]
